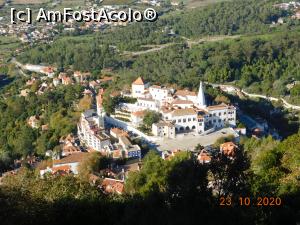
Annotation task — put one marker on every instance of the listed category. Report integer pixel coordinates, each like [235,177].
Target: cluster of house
[108,182]
[35,122]
[205,156]
[49,81]
[181,110]
[93,134]
[29,33]
[72,154]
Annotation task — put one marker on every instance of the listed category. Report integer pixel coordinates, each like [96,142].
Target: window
[179,121]
[219,121]
[224,113]
[219,114]
[184,120]
[214,114]
[194,119]
[189,119]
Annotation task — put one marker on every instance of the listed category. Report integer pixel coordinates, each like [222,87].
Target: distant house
[49,71]
[45,127]
[31,81]
[69,145]
[139,87]
[24,92]
[66,80]
[34,122]
[204,157]
[164,129]
[112,186]
[229,149]
[168,155]
[137,117]
[56,81]
[72,161]
[131,151]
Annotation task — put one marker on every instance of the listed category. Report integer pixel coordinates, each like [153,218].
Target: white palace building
[181,110]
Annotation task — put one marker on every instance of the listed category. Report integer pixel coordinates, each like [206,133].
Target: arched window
[193,127]
[187,128]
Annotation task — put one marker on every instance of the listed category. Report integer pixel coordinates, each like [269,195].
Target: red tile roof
[139,81]
[185,93]
[139,113]
[73,158]
[228,148]
[113,186]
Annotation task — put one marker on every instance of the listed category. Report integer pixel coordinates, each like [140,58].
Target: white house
[163,129]
[139,87]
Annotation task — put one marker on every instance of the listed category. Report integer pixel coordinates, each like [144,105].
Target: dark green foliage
[54,108]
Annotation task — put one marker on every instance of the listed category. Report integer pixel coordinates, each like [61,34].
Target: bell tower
[100,110]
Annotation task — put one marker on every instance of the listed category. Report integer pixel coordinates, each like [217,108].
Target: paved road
[236,90]
[188,142]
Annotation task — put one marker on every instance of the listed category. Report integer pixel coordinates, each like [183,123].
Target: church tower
[201,97]
[100,110]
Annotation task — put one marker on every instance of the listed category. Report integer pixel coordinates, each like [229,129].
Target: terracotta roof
[178,101]
[70,149]
[65,168]
[113,186]
[204,156]
[139,113]
[185,93]
[183,112]
[159,87]
[117,154]
[48,69]
[218,107]
[139,81]
[228,148]
[73,158]
[164,124]
[119,132]
[77,74]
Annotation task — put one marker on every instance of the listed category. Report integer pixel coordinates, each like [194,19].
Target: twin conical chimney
[201,97]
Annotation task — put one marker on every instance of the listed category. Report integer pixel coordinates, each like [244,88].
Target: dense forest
[264,64]
[172,191]
[261,64]
[54,108]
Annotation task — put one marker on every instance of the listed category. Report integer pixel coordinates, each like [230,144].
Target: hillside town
[192,118]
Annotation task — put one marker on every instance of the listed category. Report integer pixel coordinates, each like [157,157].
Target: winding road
[236,90]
